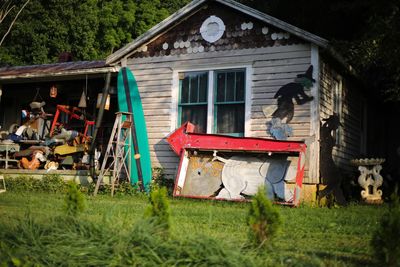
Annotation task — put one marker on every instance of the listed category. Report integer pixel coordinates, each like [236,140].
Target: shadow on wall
[294,91]
[329,172]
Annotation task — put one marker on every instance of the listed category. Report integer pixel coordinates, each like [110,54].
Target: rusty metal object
[203,177]
[186,143]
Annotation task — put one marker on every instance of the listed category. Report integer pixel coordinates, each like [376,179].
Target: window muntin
[193,94]
[229,103]
[226,106]
[337,107]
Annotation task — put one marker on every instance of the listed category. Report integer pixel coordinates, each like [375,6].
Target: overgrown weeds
[50,183]
[54,183]
[159,180]
[310,237]
[62,241]
[385,240]
[68,241]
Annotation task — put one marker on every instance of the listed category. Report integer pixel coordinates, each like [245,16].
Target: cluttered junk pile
[43,141]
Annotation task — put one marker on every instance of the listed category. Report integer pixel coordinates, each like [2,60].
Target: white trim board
[313,144]
[210,108]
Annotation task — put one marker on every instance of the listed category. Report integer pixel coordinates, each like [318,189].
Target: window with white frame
[337,107]
[213,100]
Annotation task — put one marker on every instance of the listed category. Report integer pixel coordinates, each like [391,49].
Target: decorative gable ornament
[212,29]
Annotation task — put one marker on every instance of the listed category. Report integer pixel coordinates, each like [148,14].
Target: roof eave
[319,41]
[160,27]
[60,73]
[330,50]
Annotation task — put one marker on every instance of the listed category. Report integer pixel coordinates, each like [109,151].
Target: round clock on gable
[212,29]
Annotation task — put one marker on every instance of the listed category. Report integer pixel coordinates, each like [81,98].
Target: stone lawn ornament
[243,175]
[329,172]
[370,178]
[295,90]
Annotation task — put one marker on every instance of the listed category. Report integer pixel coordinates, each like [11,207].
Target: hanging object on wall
[99,97]
[82,101]
[244,174]
[280,130]
[212,29]
[53,91]
[295,90]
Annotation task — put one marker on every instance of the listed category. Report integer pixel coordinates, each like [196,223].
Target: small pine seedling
[159,210]
[74,200]
[385,240]
[263,219]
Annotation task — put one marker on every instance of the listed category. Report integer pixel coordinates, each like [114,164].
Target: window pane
[230,87]
[185,90]
[196,115]
[240,86]
[230,118]
[194,89]
[221,87]
[203,87]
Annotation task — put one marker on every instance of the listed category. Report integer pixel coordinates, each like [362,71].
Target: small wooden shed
[221,65]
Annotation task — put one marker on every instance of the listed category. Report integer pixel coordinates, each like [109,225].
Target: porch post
[98,125]
[313,146]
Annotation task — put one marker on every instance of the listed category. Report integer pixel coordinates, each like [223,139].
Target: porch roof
[50,71]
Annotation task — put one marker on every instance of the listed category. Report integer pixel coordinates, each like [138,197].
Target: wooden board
[129,101]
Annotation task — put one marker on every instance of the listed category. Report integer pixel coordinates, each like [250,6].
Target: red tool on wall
[73,113]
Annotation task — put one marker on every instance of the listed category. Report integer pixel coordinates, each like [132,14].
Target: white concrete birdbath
[370,179]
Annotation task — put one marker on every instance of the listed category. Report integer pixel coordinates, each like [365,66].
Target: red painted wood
[183,138]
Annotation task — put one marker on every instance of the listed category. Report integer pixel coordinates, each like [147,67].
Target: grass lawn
[309,236]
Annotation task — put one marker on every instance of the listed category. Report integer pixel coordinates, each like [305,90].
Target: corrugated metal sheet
[55,69]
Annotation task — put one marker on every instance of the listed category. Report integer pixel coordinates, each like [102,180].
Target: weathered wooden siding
[351,117]
[272,67]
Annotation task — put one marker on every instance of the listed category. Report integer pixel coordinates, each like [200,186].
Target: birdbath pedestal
[370,179]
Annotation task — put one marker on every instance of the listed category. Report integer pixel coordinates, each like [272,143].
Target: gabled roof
[188,9]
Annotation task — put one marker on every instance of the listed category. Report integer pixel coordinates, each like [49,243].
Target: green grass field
[309,236]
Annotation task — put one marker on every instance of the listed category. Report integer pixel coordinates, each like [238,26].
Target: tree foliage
[89,29]
[9,9]
[74,201]
[263,219]
[366,32]
[385,239]
[159,209]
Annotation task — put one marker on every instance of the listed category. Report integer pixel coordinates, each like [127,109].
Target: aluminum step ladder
[118,152]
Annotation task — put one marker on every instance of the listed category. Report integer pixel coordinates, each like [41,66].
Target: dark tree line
[365,32]
[89,29]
